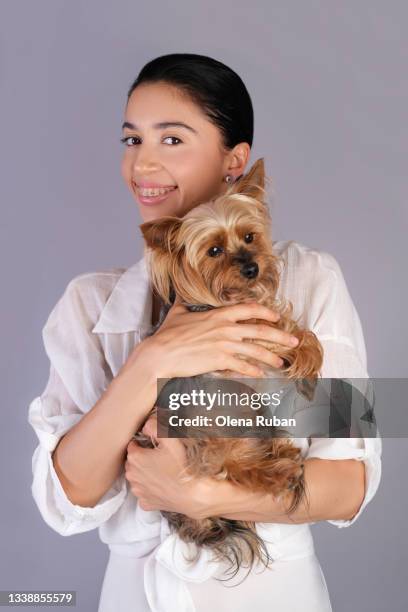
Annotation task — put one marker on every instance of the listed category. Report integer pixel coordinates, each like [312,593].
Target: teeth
[154,192]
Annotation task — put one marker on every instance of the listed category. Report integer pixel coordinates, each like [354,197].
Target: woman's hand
[191,343]
[155,476]
[335,489]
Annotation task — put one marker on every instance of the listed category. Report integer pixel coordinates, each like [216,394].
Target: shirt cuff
[367,450]
[106,506]
[56,508]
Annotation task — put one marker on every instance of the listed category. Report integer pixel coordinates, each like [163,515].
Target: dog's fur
[180,264]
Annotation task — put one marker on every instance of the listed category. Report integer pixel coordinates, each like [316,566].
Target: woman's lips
[149,200]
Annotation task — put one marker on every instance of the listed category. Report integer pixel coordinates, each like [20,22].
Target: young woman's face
[189,159]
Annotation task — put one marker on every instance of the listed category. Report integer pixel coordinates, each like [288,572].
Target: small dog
[220,253]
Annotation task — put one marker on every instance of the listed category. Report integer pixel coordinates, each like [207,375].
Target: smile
[151,191]
[152,196]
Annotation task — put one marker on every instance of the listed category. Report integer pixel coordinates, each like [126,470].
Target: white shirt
[88,336]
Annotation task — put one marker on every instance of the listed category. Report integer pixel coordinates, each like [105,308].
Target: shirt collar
[129,306]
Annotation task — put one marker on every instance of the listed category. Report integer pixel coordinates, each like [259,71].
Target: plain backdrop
[329,89]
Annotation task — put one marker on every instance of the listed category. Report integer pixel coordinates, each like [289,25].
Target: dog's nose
[250,270]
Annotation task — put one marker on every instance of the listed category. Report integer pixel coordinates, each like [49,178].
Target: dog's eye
[248,238]
[215,251]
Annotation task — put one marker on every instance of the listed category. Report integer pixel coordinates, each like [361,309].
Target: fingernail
[294,341]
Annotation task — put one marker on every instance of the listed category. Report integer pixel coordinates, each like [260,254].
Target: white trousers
[287,586]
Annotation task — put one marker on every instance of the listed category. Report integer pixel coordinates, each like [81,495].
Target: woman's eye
[173,138]
[128,140]
[215,251]
[248,238]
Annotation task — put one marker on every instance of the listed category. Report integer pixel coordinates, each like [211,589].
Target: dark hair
[210,84]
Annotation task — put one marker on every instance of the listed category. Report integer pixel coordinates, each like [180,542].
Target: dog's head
[220,252]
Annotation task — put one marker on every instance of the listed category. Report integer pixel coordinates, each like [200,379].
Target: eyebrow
[160,126]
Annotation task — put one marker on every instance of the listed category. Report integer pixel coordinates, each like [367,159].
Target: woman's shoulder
[83,298]
[101,281]
[300,257]
[311,279]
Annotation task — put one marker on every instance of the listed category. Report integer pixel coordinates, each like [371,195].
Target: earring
[228,178]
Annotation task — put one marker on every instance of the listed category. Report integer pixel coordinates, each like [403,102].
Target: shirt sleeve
[335,321]
[76,371]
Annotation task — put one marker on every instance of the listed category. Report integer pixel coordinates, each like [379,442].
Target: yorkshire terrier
[220,253]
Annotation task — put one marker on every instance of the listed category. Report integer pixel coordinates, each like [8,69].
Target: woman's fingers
[243,367]
[263,332]
[256,351]
[258,331]
[191,343]
[248,310]
[150,427]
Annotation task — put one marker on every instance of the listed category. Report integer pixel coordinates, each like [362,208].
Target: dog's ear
[160,234]
[160,239]
[252,183]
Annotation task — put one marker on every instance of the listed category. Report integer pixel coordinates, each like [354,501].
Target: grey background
[328,84]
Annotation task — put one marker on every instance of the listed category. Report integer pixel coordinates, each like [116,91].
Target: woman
[187,131]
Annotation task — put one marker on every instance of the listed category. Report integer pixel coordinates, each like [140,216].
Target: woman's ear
[160,234]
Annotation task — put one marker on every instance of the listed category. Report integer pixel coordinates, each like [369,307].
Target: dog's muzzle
[249,270]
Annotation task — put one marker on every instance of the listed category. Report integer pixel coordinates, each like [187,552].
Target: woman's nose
[145,168]
[145,161]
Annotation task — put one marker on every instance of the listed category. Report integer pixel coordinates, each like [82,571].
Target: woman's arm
[90,456]
[334,490]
